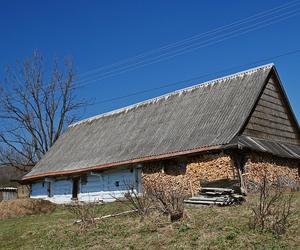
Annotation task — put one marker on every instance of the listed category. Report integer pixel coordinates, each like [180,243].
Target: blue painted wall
[62,187]
[39,189]
[108,181]
[92,187]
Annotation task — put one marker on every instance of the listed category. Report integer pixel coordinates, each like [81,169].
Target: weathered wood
[238,160]
[273,93]
[272,124]
[222,190]
[191,188]
[269,136]
[268,110]
[216,196]
[272,99]
[110,215]
[271,105]
[273,129]
[271,118]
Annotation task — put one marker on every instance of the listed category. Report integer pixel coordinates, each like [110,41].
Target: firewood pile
[215,196]
[284,173]
[210,168]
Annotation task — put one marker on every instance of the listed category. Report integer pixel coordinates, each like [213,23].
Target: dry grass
[206,228]
[22,207]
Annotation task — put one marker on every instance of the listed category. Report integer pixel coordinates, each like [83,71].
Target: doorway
[75,188]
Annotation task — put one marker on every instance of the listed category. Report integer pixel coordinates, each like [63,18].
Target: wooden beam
[238,160]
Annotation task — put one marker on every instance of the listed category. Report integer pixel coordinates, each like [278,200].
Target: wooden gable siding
[271,118]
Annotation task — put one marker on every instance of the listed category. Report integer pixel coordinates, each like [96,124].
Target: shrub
[139,201]
[273,208]
[85,214]
[169,200]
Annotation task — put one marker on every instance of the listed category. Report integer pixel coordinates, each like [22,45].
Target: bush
[140,202]
[273,209]
[168,200]
[85,214]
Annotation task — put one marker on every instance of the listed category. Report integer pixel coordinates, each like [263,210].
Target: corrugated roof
[272,147]
[204,115]
[8,189]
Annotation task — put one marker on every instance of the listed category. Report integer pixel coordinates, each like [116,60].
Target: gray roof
[203,115]
[273,147]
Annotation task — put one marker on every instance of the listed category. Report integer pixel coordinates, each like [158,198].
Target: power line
[195,78]
[218,29]
[189,48]
[180,52]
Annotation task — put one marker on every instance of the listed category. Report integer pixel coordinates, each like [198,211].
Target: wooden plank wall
[271,118]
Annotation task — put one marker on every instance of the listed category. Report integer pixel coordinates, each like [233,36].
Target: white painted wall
[105,186]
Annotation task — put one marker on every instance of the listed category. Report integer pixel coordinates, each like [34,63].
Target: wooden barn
[233,128]
[8,193]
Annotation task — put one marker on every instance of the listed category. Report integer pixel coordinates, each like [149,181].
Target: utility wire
[188,48]
[196,37]
[195,78]
[180,52]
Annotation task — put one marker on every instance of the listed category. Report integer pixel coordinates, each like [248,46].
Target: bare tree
[36,105]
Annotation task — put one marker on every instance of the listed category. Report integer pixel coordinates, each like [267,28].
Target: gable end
[272,118]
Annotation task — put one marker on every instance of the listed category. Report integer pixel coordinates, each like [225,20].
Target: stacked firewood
[209,169]
[275,170]
[212,167]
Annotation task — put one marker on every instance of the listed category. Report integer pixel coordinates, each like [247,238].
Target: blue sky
[99,33]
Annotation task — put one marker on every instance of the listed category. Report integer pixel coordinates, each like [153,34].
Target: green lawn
[206,228]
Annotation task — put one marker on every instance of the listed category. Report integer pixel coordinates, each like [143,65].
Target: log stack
[207,167]
[215,196]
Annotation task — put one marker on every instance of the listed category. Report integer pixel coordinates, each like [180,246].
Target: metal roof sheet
[203,115]
[272,147]
[8,189]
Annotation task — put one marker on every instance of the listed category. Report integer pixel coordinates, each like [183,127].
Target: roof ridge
[179,91]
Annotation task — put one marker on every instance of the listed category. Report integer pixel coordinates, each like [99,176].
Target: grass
[206,228]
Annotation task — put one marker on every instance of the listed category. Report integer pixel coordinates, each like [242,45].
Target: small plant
[273,208]
[169,200]
[139,201]
[85,214]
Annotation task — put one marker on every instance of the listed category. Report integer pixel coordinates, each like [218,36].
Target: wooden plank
[272,131]
[271,87]
[272,124]
[268,110]
[272,93]
[217,189]
[267,136]
[273,100]
[271,105]
[272,84]
[272,118]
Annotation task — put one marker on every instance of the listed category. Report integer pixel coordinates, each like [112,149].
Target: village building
[8,193]
[232,129]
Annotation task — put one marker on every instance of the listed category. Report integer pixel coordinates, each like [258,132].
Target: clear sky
[100,33]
